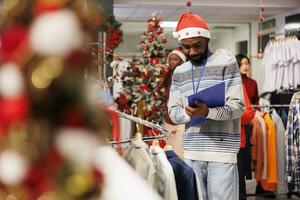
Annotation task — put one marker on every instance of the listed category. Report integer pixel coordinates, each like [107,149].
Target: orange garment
[271,182]
[257,154]
[246,118]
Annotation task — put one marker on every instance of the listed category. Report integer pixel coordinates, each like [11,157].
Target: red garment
[246,118]
[251,88]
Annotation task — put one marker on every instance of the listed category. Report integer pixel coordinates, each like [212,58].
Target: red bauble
[78,58]
[13,110]
[73,117]
[145,52]
[261,19]
[14,43]
[123,101]
[144,88]
[188,3]
[259,35]
[164,40]
[260,54]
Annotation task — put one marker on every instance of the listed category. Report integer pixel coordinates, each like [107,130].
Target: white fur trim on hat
[179,53]
[191,32]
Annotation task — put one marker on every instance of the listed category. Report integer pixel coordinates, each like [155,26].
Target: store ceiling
[211,10]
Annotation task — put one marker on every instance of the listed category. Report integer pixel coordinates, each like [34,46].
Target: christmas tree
[153,42]
[143,93]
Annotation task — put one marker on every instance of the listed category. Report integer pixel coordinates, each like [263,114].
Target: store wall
[242,33]
[223,40]
[132,32]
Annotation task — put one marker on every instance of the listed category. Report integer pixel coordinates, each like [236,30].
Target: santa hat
[190,25]
[179,53]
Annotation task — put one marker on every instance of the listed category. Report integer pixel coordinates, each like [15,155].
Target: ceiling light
[169,24]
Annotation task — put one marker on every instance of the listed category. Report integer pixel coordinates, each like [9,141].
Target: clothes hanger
[168,147]
[155,143]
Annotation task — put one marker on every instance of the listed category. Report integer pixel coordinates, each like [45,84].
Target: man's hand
[200,111]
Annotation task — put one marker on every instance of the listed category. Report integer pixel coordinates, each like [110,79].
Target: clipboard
[213,97]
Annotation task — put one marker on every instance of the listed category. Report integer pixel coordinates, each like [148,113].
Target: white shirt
[120,180]
[167,184]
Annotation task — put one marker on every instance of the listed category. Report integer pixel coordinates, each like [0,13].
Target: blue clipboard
[213,97]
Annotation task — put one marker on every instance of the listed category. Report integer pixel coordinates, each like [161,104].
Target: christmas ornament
[14,43]
[67,143]
[64,29]
[13,168]
[11,80]
[188,3]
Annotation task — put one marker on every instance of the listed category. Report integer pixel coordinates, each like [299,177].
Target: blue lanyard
[200,76]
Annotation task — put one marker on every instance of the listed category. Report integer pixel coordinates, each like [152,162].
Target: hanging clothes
[282,64]
[262,122]
[282,184]
[165,174]
[185,177]
[257,147]
[138,156]
[292,143]
[121,182]
[270,183]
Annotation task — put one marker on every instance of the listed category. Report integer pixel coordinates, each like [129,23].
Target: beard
[201,59]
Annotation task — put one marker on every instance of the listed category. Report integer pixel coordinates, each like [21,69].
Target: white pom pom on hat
[179,53]
[190,25]
[11,80]
[56,33]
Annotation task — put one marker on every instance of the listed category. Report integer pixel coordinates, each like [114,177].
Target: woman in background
[175,58]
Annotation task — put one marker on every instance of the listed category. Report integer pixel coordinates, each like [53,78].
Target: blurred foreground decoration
[49,129]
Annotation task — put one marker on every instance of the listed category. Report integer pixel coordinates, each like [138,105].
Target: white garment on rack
[120,181]
[281,61]
[270,68]
[138,156]
[126,128]
[281,184]
[167,184]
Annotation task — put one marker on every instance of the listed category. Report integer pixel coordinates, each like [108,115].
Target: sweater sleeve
[234,100]
[177,103]
[249,112]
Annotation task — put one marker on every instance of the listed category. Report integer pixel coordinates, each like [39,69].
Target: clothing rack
[287,32]
[143,122]
[145,139]
[271,105]
[163,130]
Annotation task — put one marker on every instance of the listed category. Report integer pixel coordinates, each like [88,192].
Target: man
[210,147]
